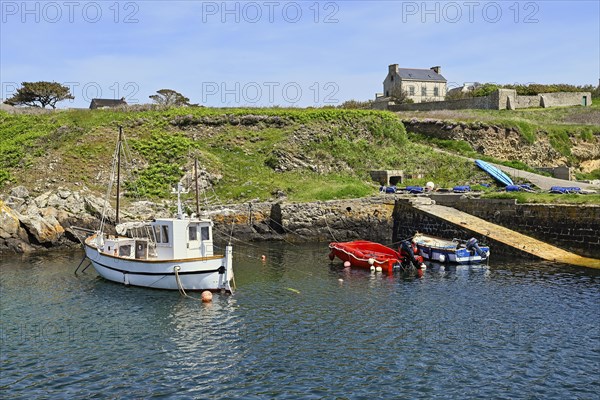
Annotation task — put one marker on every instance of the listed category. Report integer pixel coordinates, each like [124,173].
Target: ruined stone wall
[501,99]
[484,102]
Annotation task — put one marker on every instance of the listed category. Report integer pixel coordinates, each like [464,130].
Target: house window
[411,90]
[392,78]
[193,232]
[387,93]
[436,91]
[423,91]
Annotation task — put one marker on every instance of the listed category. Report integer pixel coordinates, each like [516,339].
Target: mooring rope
[180,285]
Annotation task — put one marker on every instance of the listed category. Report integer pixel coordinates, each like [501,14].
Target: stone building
[107,103]
[420,85]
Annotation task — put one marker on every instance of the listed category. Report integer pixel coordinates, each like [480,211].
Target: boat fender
[442,258]
[371,261]
[221,270]
[378,269]
[331,256]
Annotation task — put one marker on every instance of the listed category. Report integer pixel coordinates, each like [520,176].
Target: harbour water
[298,327]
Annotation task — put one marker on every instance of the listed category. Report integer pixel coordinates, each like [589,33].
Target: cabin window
[205,233]
[161,232]
[193,232]
[436,91]
[125,250]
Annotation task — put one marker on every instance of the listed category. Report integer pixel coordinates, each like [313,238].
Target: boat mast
[119,172]
[196,179]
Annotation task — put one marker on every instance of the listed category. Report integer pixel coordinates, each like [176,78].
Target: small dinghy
[455,250]
[366,254]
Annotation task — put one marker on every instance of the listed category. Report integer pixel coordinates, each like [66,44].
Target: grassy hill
[307,154]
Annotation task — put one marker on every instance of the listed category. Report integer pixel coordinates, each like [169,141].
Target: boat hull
[441,250]
[365,254]
[210,273]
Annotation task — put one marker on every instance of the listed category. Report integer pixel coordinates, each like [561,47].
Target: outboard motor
[473,246]
[407,251]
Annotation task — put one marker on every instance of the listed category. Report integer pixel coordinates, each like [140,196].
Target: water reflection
[293,329]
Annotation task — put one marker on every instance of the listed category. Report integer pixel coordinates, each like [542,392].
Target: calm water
[293,330]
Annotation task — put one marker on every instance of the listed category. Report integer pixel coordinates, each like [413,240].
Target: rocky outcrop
[504,143]
[36,223]
[43,222]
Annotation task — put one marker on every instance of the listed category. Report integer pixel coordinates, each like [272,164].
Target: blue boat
[455,251]
[494,172]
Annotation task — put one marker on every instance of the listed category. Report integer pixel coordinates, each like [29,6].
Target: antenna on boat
[179,207]
[196,180]
[119,144]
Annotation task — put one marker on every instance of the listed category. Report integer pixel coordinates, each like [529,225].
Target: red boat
[365,254]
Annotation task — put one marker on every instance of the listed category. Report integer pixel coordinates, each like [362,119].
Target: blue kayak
[494,172]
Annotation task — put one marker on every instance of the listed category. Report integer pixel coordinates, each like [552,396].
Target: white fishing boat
[166,253]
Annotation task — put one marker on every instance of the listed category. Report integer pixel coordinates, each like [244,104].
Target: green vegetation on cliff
[307,154]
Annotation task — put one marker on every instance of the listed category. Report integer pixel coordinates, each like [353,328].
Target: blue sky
[289,53]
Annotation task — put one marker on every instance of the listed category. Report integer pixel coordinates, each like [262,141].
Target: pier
[451,220]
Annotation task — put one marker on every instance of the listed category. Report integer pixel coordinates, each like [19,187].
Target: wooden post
[119,172]
[196,179]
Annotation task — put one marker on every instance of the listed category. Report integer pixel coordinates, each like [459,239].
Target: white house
[420,85]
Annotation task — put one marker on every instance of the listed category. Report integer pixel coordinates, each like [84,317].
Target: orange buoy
[206,296]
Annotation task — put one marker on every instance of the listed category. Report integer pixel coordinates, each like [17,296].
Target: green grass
[332,151]
[593,175]
[546,198]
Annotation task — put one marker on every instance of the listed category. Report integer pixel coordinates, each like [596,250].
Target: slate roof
[420,74]
[99,103]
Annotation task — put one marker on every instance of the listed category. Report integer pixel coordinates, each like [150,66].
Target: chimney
[437,69]
[393,68]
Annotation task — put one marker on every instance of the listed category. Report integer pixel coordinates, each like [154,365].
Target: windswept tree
[169,97]
[40,94]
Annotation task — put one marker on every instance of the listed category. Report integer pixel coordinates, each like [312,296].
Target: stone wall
[501,99]
[484,102]
[527,101]
[565,99]
[572,227]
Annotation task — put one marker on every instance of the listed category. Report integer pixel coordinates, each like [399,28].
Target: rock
[44,230]
[9,222]
[20,192]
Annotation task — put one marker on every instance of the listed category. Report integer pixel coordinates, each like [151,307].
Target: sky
[289,53]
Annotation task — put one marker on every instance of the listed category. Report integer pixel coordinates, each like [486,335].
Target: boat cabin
[165,239]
